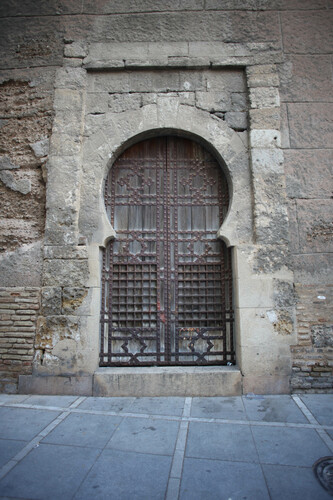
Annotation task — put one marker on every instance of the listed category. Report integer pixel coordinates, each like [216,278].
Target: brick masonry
[19,307]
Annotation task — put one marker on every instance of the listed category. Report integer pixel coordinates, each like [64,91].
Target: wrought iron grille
[166,278]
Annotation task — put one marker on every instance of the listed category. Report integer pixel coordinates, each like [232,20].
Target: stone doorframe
[81,153]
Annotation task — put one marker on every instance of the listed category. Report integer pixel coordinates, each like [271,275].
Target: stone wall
[293,36]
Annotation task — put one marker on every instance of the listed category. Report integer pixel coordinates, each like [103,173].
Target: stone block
[76,49]
[109,51]
[265,118]
[65,252]
[309,174]
[306,78]
[123,102]
[191,26]
[307,34]
[51,301]
[270,258]
[311,125]
[267,161]
[70,78]
[213,101]
[265,80]
[76,386]
[265,139]
[238,101]
[97,102]
[236,120]
[169,381]
[264,97]
[65,144]
[61,272]
[174,49]
[226,80]
[315,219]
[112,83]
[128,6]
[68,100]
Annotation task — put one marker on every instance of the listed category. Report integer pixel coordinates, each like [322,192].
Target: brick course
[19,307]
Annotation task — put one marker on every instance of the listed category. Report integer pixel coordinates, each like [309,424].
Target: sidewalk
[250,447]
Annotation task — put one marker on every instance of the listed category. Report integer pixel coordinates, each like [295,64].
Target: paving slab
[209,479]
[289,446]
[119,404]
[229,408]
[273,409]
[84,430]
[123,475]
[8,449]
[321,407]
[12,398]
[293,483]
[60,401]
[22,423]
[159,406]
[222,442]
[49,471]
[145,436]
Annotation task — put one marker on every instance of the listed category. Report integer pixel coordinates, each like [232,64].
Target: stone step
[168,381]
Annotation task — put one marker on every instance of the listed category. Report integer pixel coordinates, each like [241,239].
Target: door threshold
[152,381]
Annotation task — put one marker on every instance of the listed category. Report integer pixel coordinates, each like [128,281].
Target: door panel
[166,281]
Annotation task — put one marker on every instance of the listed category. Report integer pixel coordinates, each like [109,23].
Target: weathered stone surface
[264,97]
[126,6]
[70,78]
[271,258]
[236,120]
[322,335]
[311,125]
[34,41]
[72,299]
[41,8]
[315,219]
[65,252]
[265,139]
[307,34]
[293,227]
[122,102]
[76,49]
[223,26]
[313,268]
[68,273]
[22,266]
[41,148]
[309,174]
[306,78]
[81,386]
[266,4]
[51,301]
[213,101]
[265,118]
[21,185]
[7,164]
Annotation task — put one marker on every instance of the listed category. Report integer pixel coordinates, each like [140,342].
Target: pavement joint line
[302,406]
[34,443]
[77,402]
[173,488]
[321,428]
[221,421]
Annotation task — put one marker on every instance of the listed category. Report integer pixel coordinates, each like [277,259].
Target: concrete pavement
[250,447]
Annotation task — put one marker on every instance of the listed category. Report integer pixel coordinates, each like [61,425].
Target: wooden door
[166,280]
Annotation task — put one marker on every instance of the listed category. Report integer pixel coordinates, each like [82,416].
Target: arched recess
[167,277]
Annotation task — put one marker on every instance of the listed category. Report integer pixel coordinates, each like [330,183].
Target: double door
[166,278]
